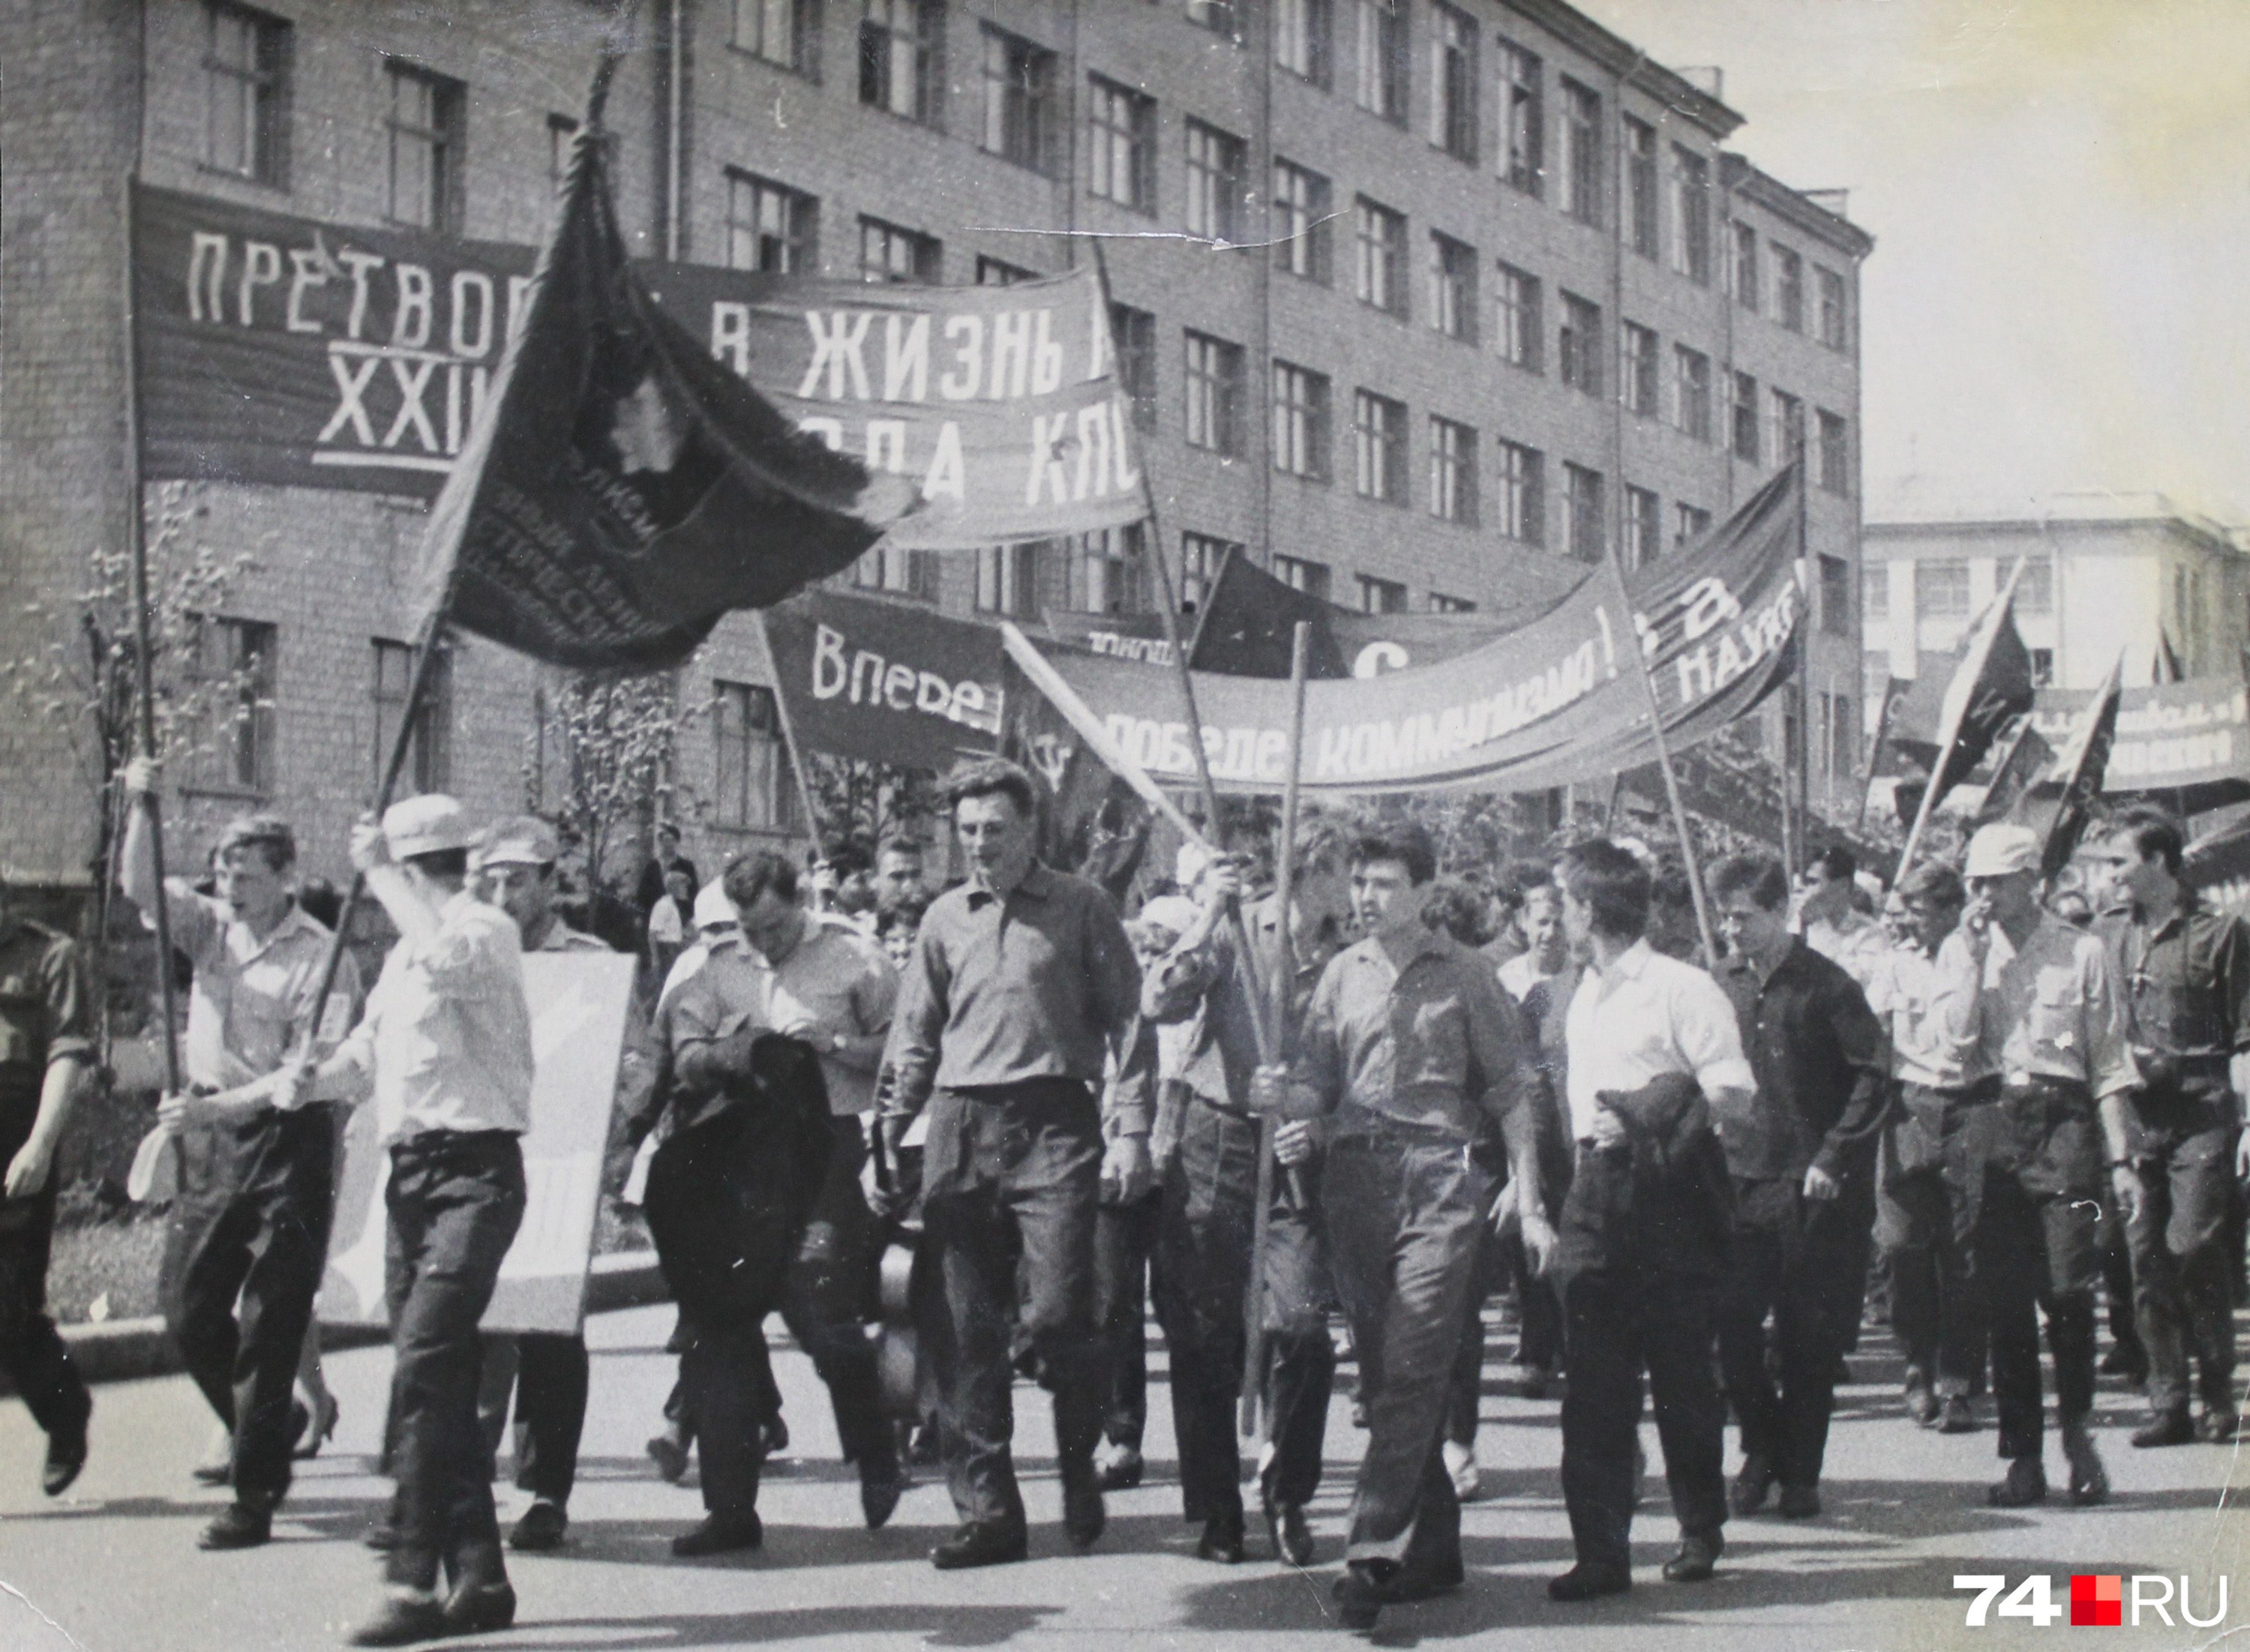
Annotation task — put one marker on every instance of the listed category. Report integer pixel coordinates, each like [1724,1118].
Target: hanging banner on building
[2169,735]
[283,350]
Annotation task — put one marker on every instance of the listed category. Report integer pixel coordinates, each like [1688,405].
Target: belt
[1226,1107]
[2045,1084]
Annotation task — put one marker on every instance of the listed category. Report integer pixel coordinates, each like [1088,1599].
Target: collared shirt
[1420,1036]
[44,1018]
[1929,1014]
[1645,1015]
[830,983]
[2050,1010]
[1818,1056]
[718,1000]
[1857,945]
[252,1003]
[1037,984]
[1200,990]
[692,959]
[445,1043]
[2186,985]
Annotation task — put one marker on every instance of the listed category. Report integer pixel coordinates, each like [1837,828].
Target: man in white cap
[2049,1024]
[445,1050]
[716,927]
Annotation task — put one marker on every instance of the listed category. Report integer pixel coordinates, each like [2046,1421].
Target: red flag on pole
[2081,772]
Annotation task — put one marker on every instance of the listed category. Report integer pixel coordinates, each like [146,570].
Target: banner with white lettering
[283,350]
[883,682]
[2194,733]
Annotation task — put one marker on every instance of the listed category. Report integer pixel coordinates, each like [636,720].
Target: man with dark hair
[1807,1140]
[257,1187]
[1541,979]
[1654,1054]
[2185,971]
[1833,924]
[899,875]
[844,882]
[1023,982]
[652,887]
[1409,1049]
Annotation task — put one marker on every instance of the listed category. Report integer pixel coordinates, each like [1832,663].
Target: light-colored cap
[425,825]
[519,840]
[1188,864]
[2002,848]
[1174,912]
[713,908]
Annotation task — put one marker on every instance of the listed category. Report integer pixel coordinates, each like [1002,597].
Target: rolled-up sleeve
[1710,1038]
[70,1026]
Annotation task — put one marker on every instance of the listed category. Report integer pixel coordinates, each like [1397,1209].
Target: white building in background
[2104,572]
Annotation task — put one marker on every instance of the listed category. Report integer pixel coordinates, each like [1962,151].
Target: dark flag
[2024,761]
[1095,825]
[1248,618]
[2082,773]
[624,488]
[1991,688]
[2170,668]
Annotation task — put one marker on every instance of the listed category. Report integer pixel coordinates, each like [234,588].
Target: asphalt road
[112,1566]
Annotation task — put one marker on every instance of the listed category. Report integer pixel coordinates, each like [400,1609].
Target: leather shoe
[2215,1427]
[1118,1468]
[1221,1539]
[879,1495]
[2089,1481]
[401,1620]
[1361,1591]
[1422,1583]
[1747,1493]
[721,1534]
[2167,1429]
[975,1545]
[1083,1517]
[481,1608]
[2025,1485]
[2127,1362]
[1293,1538]
[1590,1580]
[540,1529]
[1800,1502]
[382,1534]
[669,1457]
[65,1457]
[238,1526]
[1921,1404]
[1957,1416]
[1697,1559]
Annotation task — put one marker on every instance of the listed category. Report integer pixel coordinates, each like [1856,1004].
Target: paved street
[114,1566]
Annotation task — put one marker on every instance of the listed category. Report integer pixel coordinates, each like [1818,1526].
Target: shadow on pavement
[947,1625]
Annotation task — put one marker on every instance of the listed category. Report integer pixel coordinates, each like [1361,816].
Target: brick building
[1407,291]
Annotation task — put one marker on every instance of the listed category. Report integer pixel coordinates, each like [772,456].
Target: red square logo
[2097,1600]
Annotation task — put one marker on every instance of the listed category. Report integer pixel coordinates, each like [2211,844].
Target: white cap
[713,908]
[2002,848]
[1188,864]
[1174,912]
[425,825]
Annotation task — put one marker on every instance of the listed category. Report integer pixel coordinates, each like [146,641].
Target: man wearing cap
[446,1050]
[2050,1023]
[256,1185]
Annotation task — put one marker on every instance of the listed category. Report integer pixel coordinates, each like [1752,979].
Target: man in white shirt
[1832,926]
[1655,1056]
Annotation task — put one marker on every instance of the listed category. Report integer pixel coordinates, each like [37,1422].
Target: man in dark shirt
[1806,1140]
[1022,982]
[652,888]
[2184,971]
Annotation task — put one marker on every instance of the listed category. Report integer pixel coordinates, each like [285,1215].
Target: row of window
[1942,590]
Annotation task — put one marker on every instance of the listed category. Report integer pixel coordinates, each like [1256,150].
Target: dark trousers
[1799,1262]
[1124,1244]
[32,1351]
[2039,1251]
[1468,1397]
[455,1201]
[1206,1230]
[547,1372]
[1936,1166]
[250,1223]
[824,1296]
[1012,1173]
[2184,1150]
[1538,1310]
[1406,1223]
[1626,1311]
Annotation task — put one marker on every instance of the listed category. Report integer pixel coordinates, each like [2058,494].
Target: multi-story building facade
[1406,292]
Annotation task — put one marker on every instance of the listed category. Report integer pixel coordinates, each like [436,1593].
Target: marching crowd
[1687,1177]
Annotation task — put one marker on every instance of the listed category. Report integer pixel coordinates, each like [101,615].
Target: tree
[855,796]
[600,761]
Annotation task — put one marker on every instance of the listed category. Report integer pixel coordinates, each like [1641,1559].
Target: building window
[1020,101]
[1637,368]
[901,58]
[1214,394]
[1834,327]
[1875,592]
[1521,328]
[1691,214]
[1691,393]
[1521,495]
[1381,596]
[1689,523]
[1201,557]
[429,755]
[1379,431]
[1523,119]
[1453,288]
[754,790]
[1452,82]
[1578,345]
[230,671]
[1453,471]
[1121,142]
[1300,222]
[1640,185]
[1008,579]
[1788,288]
[1299,574]
[1835,597]
[424,130]
[902,573]
[1835,454]
[1745,411]
[770,226]
[1214,183]
[1109,571]
[782,31]
[1302,35]
[1134,333]
[1301,422]
[1585,533]
[1383,58]
[1582,152]
[1941,590]
[1441,603]
[1742,269]
[245,93]
[1381,235]
[1644,527]
[889,253]
[2035,590]
[1844,735]
[1000,272]
[2042,668]
[1220,16]
[1784,425]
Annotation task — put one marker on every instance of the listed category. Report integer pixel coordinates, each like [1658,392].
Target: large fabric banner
[2170,736]
[284,350]
[885,682]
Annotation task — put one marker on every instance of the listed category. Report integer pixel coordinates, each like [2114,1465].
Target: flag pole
[789,740]
[1801,775]
[1949,728]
